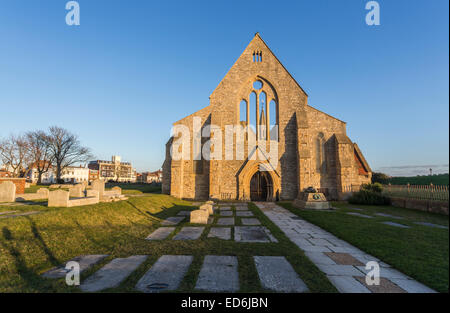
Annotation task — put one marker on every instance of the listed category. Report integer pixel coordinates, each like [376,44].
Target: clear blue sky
[134,67]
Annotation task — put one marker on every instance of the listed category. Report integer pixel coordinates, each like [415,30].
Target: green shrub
[375,187]
[369,197]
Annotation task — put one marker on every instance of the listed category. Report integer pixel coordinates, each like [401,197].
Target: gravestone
[43,192]
[76,191]
[199,217]
[208,208]
[58,198]
[7,191]
[98,185]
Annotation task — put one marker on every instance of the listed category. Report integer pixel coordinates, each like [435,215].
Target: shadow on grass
[32,280]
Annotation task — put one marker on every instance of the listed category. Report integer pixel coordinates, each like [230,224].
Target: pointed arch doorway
[261,187]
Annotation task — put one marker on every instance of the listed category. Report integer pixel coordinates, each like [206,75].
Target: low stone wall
[440,207]
[41,194]
[19,182]
[60,198]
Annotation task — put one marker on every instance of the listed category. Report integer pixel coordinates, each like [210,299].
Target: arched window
[255,109]
[272,112]
[262,125]
[320,154]
[252,111]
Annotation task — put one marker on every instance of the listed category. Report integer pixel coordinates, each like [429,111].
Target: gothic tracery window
[260,111]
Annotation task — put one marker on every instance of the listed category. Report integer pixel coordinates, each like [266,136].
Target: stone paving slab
[225,221]
[395,224]
[225,208]
[359,215]
[161,233]
[388,215]
[250,221]
[219,273]
[112,274]
[302,233]
[174,220]
[340,270]
[226,213]
[244,213]
[253,234]
[412,286]
[166,274]
[277,274]
[431,225]
[220,232]
[85,261]
[189,233]
[184,213]
[348,284]
[319,258]
[343,258]
[385,286]
[7,212]
[241,208]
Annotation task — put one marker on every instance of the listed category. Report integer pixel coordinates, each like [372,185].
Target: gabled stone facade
[313,148]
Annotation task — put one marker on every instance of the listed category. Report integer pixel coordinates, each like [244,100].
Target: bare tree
[14,154]
[39,151]
[65,149]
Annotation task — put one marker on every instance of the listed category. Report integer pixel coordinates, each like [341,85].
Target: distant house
[115,170]
[71,174]
[150,177]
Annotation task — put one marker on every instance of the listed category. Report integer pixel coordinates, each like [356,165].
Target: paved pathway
[343,263]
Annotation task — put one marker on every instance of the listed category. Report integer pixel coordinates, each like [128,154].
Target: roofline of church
[276,58]
[327,114]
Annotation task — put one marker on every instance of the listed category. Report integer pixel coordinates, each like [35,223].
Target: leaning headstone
[7,192]
[98,185]
[219,273]
[199,217]
[76,191]
[113,273]
[166,274]
[207,207]
[58,198]
[276,274]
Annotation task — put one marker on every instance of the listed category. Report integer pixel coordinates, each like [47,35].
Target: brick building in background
[114,170]
[313,147]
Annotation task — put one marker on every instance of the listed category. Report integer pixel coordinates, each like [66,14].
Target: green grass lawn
[30,245]
[421,252]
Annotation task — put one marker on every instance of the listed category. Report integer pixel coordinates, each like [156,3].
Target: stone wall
[302,161]
[440,207]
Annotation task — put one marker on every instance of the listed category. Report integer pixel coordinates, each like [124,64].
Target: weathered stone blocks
[199,217]
[7,192]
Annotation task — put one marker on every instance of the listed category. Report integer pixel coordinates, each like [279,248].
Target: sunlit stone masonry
[261,96]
